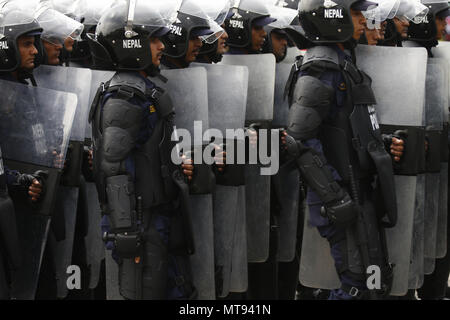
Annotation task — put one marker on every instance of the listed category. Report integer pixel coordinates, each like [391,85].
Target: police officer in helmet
[320,108]
[141,200]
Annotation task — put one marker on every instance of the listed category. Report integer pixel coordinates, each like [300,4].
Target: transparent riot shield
[36,128]
[393,91]
[227,101]
[77,81]
[188,90]
[95,249]
[442,55]
[260,109]
[287,180]
[436,97]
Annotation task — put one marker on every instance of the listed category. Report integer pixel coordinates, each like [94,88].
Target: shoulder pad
[321,53]
[165,105]
[128,79]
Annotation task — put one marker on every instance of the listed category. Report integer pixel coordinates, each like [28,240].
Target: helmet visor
[284,17]
[57,26]
[412,10]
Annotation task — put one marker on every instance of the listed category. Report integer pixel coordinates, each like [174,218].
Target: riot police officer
[136,179]
[23,35]
[319,101]
[426,34]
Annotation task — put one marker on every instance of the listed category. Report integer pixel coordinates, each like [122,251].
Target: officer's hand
[220,158]
[91,159]
[188,167]
[253,137]
[59,161]
[35,190]
[427,145]
[284,134]
[397,148]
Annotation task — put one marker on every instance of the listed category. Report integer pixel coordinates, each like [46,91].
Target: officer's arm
[121,122]
[311,104]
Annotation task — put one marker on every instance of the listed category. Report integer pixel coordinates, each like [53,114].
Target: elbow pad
[312,101]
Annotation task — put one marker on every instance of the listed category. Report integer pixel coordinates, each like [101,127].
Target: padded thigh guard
[121,123]
[312,101]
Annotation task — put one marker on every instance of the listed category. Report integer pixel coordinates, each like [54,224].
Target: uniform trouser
[4,286]
[343,240]
[161,275]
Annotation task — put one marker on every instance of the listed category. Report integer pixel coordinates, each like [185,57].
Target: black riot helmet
[329,21]
[122,38]
[14,24]
[425,29]
[89,14]
[247,13]
[192,22]
[285,17]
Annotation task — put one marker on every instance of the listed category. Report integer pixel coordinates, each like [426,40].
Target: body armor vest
[153,179]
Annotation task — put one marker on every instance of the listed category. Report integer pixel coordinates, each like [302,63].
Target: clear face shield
[412,10]
[57,26]
[262,7]
[12,13]
[156,13]
[385,9]
[213,13]
[285,17]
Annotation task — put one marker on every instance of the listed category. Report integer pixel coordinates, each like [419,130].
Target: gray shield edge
[188,89]
[66,204]
[442,52]
[22,104]
[260,100]
[95,247]
[437,97]
[372,60]
[239,266]
[287,179]
[226,111]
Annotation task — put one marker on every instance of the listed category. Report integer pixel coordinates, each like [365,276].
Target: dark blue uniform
[334,79]
[161,216]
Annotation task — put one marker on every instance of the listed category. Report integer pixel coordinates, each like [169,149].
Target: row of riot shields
[417,104]
[45,128]
[36,129]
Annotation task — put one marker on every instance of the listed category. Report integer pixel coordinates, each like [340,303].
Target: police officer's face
[359,24]
[53,51]
[157,48]
[27,51]
[195,45]
[402,24]
[222,46]
[68,44]
[440,26]
[258,37]
[373,36]
[279,45]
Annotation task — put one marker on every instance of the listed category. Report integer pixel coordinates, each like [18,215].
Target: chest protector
[153,165]
[352,136]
